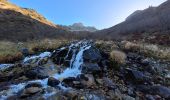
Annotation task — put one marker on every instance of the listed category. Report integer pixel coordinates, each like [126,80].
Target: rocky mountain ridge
[79,27]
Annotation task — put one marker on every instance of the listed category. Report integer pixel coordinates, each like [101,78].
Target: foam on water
[73,70]
[5,66]
[41,56]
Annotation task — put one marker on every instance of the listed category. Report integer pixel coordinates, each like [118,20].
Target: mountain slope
[22,23]
[79,27]
[151,20]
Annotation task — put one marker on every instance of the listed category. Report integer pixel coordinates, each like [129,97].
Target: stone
[90,82]
[161,90]
[53,82]
[135,76]
[36,73]
[72,94]
[149,97]
[68,82]
[92,55]
[82,77]
[145,62]
[109,83]
[30,91]
[126,97]
[91,68]
[35,84]
[99,81]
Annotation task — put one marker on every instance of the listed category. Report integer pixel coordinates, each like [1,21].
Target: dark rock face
[90,68]
[136,76]
[92,55]
[30,91]
[53,82]
[58,56]
[36,73]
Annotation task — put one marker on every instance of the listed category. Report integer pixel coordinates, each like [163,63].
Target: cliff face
[18,23]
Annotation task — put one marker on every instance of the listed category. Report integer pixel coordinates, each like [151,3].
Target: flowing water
[73,70]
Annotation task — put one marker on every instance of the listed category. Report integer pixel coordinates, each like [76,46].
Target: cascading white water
[73,70]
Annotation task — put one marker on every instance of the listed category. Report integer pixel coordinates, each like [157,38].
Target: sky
[99,13]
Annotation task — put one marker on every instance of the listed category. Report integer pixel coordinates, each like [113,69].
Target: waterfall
[72,71]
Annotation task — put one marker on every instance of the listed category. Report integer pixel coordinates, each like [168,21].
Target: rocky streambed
[80,70]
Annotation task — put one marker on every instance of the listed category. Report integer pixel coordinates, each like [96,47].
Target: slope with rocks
[18,23]
[152,22]
[83,70]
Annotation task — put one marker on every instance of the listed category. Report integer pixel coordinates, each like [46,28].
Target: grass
[11,52]
[118,56]
[150,50]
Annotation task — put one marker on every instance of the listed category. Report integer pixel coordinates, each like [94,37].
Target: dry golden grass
[150,50]
[118,56]
[10,52]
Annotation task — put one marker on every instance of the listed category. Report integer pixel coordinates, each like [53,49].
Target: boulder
[92,55]
[91,68]
[90,82]
[69,81]
[30,91]
[36,73]
[135,76]
[53,82]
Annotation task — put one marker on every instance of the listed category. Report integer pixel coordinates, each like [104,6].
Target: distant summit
[79,27]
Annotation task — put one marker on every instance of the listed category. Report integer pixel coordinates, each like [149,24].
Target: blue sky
[98,13]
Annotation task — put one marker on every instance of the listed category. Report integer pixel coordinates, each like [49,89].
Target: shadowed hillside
[153,21]
[23,24]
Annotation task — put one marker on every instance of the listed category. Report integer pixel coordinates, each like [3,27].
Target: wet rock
[58,56]
[90,82]
[92,55]
[91,68]
[35,84]
[161,90]
[69,81]
[53,82]
[30,91]
[36,73]
[82,77]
